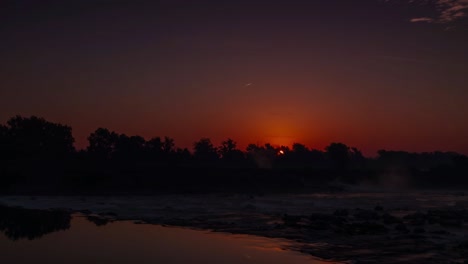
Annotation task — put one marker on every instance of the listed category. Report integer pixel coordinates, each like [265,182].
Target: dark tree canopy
[204,150]
[168,145]
[228,151]
[299,148]
[32,146]
[129,148]
[252,147]
[339,155]
[102,143]
[4,142]
[36,137]
[227,146]
[154,146]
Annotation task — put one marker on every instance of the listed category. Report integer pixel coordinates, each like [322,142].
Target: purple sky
[373,74]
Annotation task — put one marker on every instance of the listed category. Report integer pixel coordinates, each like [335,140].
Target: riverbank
[364,227]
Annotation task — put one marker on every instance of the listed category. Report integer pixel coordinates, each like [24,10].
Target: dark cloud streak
[446,11]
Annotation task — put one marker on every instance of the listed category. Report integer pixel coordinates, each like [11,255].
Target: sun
[281,152]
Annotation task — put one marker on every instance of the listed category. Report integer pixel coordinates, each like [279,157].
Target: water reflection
[98,220]
[19,223]
[92,239]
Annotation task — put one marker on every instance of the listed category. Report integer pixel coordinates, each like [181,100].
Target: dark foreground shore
[351,226]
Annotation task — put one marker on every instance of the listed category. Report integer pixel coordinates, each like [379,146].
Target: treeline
[38,154]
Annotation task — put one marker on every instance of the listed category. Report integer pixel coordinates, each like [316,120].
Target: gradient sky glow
[373,74]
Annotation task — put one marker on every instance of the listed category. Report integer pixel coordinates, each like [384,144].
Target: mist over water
[393,181]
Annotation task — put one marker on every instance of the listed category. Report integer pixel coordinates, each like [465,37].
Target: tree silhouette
[168,145]
[102,143]
[253,148]
[317,157]
[4,143]
[283,150]
[129,148]
[356,157]
[228,151]
[154,148]
[36,137]
[299,155]
[3,132]
[182,155]
[204,150]
[394,159]
[339,155]
[30,148]
[299,148]
[262,156]
[162,150]
[227,146]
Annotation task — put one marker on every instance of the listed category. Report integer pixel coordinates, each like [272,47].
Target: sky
[373,74]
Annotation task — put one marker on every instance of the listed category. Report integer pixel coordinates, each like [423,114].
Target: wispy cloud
[422,19]
[446,10]
[451,10]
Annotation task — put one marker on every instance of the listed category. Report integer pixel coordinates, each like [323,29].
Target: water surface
[126,242]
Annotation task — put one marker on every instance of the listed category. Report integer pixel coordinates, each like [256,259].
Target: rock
[389,219]
[378,208]
[401,227]
[341,212]
[364,228]
[366,215]
[419,230]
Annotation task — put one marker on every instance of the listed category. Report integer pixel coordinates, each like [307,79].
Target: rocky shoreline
[347,227]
